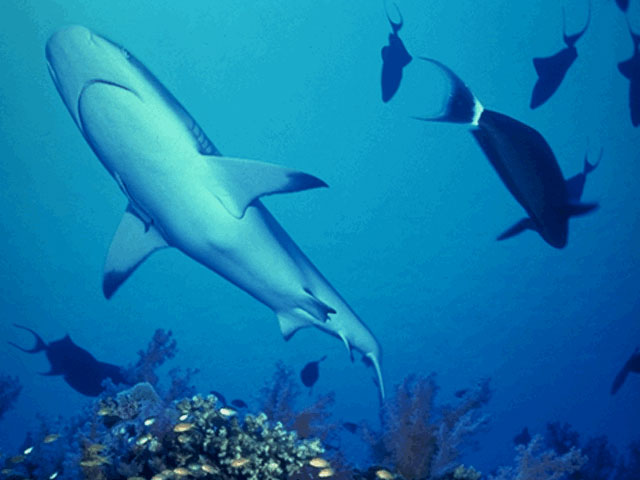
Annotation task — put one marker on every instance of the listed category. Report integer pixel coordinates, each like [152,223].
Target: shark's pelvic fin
[519,227]
[132,243]
[308,310]
[291,322]
[575,209]
[237,183]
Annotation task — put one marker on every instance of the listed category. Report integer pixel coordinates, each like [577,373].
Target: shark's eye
[125,53]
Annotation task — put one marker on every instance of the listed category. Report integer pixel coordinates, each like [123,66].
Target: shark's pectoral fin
[237,183]
[132,243]
[518,227]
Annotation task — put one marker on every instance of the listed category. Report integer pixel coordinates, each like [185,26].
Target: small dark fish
[310,373]
[623,5]
[219,396]
[238,403]
[630,69]
[80,369]
[394,58]
[631,366]
[523,438]
[552,70]
[461,393]
[524,161]
[350,427]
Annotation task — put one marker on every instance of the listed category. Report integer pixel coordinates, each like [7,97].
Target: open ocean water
[406,231]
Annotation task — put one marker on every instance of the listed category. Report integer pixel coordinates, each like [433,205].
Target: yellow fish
[52,437]
[239,462]
[183,427]
[208,468]
[383,474]
[325,473]
[181,471]
[318,462]
[227,412]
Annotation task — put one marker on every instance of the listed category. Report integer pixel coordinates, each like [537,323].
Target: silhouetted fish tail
[39,346]
[461,105]
[619,380]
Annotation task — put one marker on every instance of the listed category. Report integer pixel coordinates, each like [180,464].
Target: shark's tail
[461,105]
[39,346]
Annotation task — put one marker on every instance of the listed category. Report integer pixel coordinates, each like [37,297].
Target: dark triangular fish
[523,159]
[238,403]
[80,369]
[394,58]
[623,4]
[632,365]
[523,438]
[631,71]
[551,70]
[310,373]
[350,427]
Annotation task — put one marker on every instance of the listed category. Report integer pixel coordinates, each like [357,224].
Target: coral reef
[419,441]
[137,434]
[536,461]
[9,390]
[280,400]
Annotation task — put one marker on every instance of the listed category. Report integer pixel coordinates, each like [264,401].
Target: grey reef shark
[630,69]
[394,58]
[552,70]
[79,368]
[523,160]
[183,193]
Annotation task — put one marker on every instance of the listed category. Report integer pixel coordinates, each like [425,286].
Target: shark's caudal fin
[39,346]
[132,243]
[519,227]
[237,182]
[461,106]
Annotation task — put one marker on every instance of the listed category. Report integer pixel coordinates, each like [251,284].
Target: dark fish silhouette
[523,160]
[623,4]
[632,365]
[631,70]
[310,373]
[350,427]
[80,369]
[238,403]
[461,393]
[394,58]
[552,70]
[523,438]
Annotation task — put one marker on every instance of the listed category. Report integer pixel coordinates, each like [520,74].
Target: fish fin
[575,184]
[461,105]
[132,243]
[519,227]
[570,40]
[619,380]
[307,311]
[376,365]
[39,346]
[345,340]
[576,209]
[239,182]
[626,68]
[291,322]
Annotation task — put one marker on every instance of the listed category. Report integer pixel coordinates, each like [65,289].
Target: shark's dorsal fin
[237,182]
[132,243]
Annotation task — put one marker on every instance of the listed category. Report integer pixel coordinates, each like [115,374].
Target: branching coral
[535,462]
[280,397]
[418,441]
[9,390]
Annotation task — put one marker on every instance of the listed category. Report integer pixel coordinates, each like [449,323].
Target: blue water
[406,232]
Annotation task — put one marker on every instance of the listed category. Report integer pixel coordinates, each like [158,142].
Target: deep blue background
[406,233]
